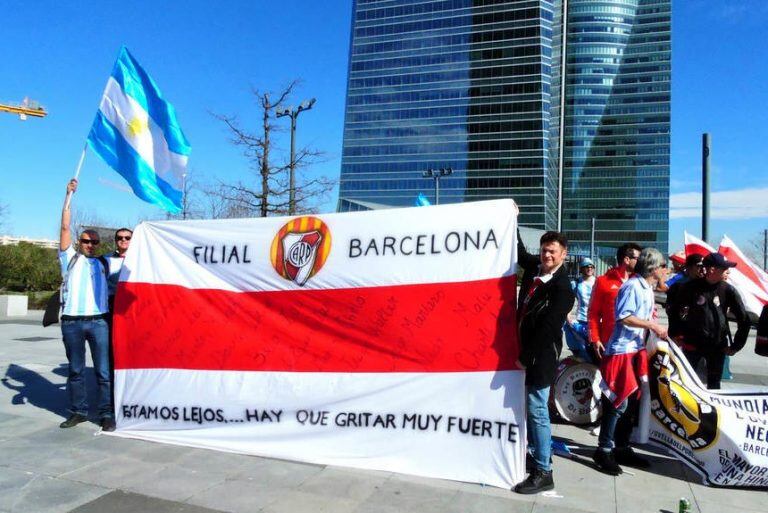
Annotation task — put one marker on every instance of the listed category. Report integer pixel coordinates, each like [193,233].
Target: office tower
[474,85]
[617,124]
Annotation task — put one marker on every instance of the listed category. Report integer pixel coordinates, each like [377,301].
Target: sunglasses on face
[90,241]
[123,237]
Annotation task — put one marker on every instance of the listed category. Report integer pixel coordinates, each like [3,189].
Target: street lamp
[293,113]
[436,174]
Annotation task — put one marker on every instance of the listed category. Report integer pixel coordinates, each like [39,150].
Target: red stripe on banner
[432,327]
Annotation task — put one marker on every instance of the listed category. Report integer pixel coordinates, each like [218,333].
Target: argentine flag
[137,135]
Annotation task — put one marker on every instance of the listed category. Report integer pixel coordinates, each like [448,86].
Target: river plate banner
[381,340]
[722,434]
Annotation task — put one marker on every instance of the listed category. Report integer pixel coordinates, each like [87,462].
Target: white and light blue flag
[137,134]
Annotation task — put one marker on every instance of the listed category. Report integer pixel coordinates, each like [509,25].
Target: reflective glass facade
[475,85]
[617,125]
[453,83]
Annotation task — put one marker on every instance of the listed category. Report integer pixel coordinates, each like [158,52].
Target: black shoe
[626,456]
[108,424]
[73,421]
[538,481]
[606,462]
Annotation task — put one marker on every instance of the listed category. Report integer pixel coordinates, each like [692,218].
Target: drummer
[576,331]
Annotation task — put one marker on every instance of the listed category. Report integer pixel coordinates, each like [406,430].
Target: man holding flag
[84,319]
[136,133]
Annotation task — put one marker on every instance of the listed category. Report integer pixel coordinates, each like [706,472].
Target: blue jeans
[75,334]
[539,429]
[611,417]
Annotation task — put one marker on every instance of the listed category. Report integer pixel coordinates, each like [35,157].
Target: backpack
[54,306]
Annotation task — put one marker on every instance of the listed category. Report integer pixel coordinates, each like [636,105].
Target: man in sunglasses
[602,304]
[122,241]
[698,318]
[84,319]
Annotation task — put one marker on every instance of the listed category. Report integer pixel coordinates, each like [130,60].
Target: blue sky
[207,55]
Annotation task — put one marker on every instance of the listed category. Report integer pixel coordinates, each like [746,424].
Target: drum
[575,395]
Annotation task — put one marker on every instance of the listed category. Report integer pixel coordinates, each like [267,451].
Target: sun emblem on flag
[300,249]
[137,125]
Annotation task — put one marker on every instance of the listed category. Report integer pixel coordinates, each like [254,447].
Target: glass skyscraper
[617,121]
[474,85]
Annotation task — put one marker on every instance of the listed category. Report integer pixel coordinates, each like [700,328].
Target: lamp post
[293,113]
[436,174]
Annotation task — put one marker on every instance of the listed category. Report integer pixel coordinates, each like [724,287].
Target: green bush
[26,267]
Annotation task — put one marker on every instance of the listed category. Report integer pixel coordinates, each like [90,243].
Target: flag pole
[77,173]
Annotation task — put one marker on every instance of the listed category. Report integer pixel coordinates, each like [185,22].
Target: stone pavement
[47,469]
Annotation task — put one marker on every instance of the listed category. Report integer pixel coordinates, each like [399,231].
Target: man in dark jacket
[545,299]
[698,318]
[692,269]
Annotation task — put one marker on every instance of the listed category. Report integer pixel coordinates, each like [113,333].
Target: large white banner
[382,340]
[723,435]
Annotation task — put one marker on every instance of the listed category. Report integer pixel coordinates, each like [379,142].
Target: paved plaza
[47,469]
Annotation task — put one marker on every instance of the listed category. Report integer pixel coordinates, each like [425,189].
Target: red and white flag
[696,246]
[747,277]
[381,339]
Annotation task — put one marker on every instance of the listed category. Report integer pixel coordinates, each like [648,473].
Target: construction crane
[26,108]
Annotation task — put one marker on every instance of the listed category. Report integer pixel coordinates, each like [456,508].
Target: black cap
[717,260]
[693,260]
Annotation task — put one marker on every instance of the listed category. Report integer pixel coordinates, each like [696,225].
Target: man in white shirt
[123,238]
[84,319]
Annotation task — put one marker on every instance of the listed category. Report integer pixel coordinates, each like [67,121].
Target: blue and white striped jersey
[85,288]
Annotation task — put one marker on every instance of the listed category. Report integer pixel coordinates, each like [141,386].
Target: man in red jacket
[600,317]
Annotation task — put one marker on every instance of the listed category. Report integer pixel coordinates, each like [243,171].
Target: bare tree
[3,214]
[269,195]
[756,248]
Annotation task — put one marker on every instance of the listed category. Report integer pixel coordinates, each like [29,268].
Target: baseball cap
[586,262]
[717,260]
[678,258]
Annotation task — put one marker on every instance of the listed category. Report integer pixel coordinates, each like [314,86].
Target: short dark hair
[91,233]
[123,230]
[624,250]
[554,237]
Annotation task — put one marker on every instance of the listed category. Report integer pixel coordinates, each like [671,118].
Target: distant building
[474,85]
[10,240]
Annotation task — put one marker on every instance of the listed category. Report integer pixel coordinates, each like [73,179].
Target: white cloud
[738,204]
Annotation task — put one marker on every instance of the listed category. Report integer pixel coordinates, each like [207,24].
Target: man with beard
[84,319]
[601,314]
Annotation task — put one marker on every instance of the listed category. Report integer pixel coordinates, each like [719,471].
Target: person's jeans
[611,416]
[75,334]
[715,359]
[539,430]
